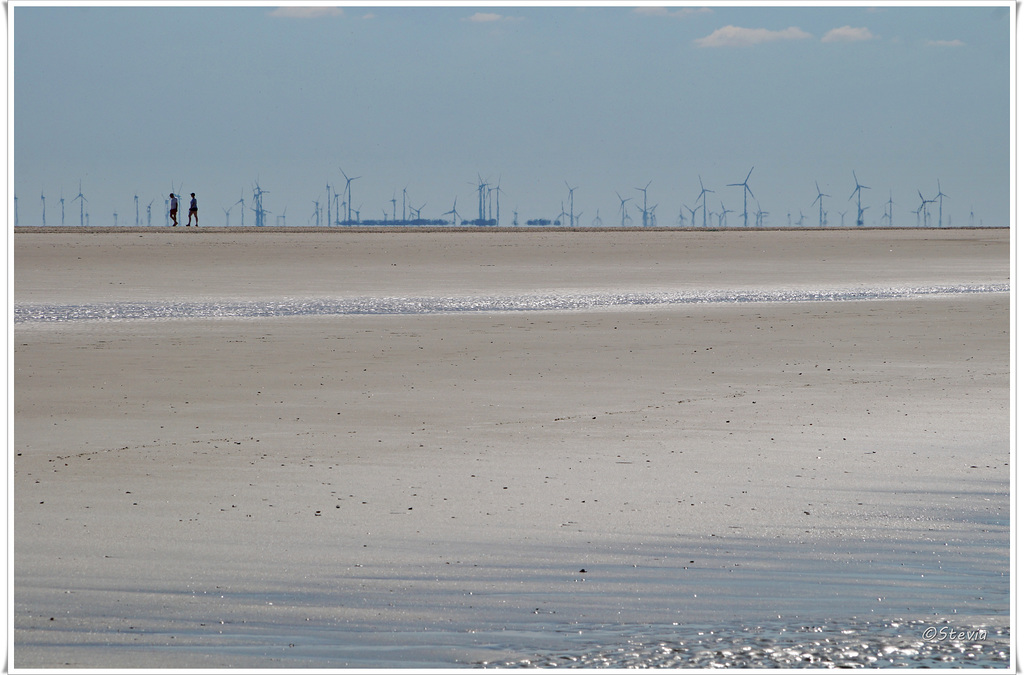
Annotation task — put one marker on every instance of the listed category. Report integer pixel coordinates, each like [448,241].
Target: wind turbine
[43,197]
[821,204]
[938,196]
[227,216]
[15,209]
[572,211]
[136,210]
[703,196]
[723,220]
[241,200]
[62,206]
[597,222]
[257,200]
[644,190]
[693,215]
[759,218]
[454,214]
[924,207]
[800,222]
[149,213]
[80,198]
[328,207]
[622,209]
[889,203]
[746,189]
[497,202]
[856,191]
[348,193]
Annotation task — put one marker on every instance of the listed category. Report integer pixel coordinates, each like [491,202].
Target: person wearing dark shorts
[193,210]
[174,210]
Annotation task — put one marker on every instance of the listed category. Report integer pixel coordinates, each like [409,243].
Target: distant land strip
[68,229]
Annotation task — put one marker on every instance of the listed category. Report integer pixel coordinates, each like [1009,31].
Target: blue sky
[134,100]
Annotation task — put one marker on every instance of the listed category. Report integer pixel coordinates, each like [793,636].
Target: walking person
[174,210]
[193,210]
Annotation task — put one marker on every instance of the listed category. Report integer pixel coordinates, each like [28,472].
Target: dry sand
[425,490]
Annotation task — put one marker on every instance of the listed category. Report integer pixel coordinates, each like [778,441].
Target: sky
[118,101]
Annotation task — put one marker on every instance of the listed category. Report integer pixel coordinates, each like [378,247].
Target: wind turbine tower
[746,189]
[821,205]
[43,197]
[348,194]
[704,198]
[62,206]
[622,209]
[856,191]
[572,211]
[693,215]
[645,211]
[136,210]
[81,203]
[939,197]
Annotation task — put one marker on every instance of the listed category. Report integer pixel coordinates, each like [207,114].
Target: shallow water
[26,312]
[855,643]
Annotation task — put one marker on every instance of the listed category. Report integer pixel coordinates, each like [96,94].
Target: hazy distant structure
[597,222]
[136,210]
[842,219]
[115,218]
[15,209]
[800,222]
[889,213]
[149,213]
[939,197]
[43,197]
[281,218]
[653,220]
[856,191]
[746,189]
[62,207]
[348,195]
[821,204]
[622,210]
[644,210]
[704,197]
[80,198]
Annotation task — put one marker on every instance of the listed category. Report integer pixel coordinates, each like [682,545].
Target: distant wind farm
[341,206]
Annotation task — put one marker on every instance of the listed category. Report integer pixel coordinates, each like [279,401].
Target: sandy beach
[455,488]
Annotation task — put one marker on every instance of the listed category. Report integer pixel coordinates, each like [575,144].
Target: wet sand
[422,490]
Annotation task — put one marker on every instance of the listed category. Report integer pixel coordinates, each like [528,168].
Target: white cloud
[947,43]
[306,12]
[735,36]
[848,34]
[671,13]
